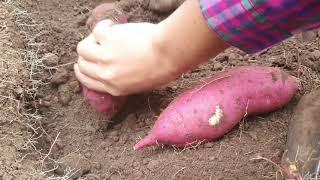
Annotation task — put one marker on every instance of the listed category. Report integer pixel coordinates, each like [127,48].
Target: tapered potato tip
[149,140]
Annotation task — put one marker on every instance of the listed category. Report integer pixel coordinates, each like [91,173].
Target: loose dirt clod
[50,59]
[60,77]
[218,66]
[75,86]
[316,55]
[64,95]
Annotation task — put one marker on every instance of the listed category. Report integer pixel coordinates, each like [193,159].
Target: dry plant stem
[55,140]
[175,174]
[268,160]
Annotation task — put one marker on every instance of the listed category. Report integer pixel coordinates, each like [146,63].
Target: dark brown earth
[82,143]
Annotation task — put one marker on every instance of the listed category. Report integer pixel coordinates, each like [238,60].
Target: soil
[80,143]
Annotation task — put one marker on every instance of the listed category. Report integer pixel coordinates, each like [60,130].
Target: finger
[101,29]
[90,50]
[95,71]
[94,84]
[89,68]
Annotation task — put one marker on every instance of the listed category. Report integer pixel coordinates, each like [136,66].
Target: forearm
[185,39]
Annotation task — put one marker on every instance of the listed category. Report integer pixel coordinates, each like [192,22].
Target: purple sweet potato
[211,109]
[106,11]
[104,102]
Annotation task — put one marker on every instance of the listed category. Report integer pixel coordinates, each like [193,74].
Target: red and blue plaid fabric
[253,25]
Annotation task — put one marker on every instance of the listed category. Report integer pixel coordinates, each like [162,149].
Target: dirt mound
[81,143]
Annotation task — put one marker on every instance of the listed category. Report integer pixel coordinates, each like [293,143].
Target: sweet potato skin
[106,11]
[103,103]
[302,157]
[211,109]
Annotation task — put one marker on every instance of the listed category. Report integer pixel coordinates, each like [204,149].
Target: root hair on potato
[243,120]
[280,169]
[207,83]
[193,145]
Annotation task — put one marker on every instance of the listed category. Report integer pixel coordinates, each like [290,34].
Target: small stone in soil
[50,59]
[60,77]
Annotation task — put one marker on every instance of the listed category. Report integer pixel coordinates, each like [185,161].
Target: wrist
[164,53]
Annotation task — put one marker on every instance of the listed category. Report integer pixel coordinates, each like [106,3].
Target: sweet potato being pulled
[103,102]
[211,109]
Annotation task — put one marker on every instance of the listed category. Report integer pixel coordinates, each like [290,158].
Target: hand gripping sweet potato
[302,157]
[211,109]
[103,102]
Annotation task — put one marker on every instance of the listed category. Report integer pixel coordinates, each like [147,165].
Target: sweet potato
[211,109]
[302,156]
[106,11]
[104,102]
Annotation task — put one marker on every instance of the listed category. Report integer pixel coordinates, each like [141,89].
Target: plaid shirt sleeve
[253,25]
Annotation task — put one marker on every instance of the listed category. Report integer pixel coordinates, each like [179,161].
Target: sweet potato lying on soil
[302,157]
[211,109]
[104,102]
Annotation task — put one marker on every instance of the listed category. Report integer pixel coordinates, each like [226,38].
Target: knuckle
[101,28]
[96,29]
[108,75]
[80,47]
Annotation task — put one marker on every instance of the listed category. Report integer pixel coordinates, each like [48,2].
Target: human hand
[122,59]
